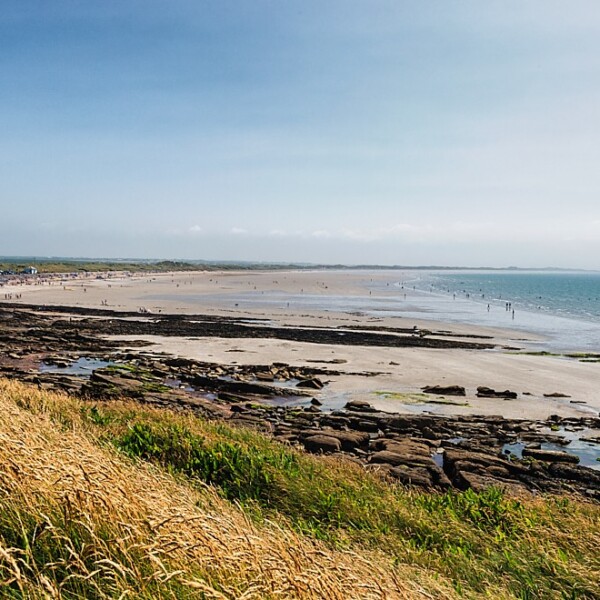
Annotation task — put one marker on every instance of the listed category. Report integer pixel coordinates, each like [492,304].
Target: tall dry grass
[77,520]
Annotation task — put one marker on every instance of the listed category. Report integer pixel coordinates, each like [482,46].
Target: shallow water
[82,366]
[587,452]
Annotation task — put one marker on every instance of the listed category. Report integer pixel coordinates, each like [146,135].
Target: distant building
[30,271]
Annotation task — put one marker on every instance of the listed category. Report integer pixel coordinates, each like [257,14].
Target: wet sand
[403,371]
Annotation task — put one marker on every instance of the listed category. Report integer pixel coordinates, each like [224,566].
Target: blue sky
[452,133]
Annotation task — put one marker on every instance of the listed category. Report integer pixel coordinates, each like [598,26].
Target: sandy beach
[396,375]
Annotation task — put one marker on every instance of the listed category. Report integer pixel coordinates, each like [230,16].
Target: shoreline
[403,371]
[287,295]
[436,409]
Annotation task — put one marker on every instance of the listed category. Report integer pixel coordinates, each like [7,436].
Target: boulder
[359,405]
[322,444]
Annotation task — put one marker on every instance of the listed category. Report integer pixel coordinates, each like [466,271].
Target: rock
[449,390]
[550,455]
[322,444]
[402,446]
[369,426]
[412,476]
[465,480]
[359,405]
[314,384]
[486,392]
[556,395]
[588,477]
[262,376]
[457,460]
[591,440]
[316,402]
[429,434]
[349,440]
[396,459]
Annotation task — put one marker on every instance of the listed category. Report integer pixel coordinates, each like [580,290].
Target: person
[488,308]
[513,314]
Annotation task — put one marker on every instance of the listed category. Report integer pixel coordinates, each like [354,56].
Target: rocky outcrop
[486,392]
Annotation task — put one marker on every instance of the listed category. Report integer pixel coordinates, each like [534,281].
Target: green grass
[468,537]
[483,543]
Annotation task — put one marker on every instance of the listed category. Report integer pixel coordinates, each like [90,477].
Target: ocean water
[566,294]
[561,307]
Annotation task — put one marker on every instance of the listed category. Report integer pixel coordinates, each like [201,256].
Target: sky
[391,132]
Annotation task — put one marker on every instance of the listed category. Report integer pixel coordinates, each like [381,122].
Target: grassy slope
[81,515]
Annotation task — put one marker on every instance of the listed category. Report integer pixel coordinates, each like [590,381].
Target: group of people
[510,308]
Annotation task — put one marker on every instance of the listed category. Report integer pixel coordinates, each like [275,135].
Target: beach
[351,300]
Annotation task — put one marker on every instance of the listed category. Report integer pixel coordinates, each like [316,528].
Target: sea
[561,307]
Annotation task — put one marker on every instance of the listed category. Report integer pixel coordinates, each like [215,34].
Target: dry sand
[226,293]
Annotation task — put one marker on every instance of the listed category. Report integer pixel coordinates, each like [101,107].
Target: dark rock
[458,459]
[486,392]
[449,390]
[322,444]
[478,482]
[583,475]
[349,440]
[368,426]
[359,406]
[550,455]
[418,476]
[591,440]
[314,384]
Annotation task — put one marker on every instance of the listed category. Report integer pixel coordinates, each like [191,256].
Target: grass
[392,541]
